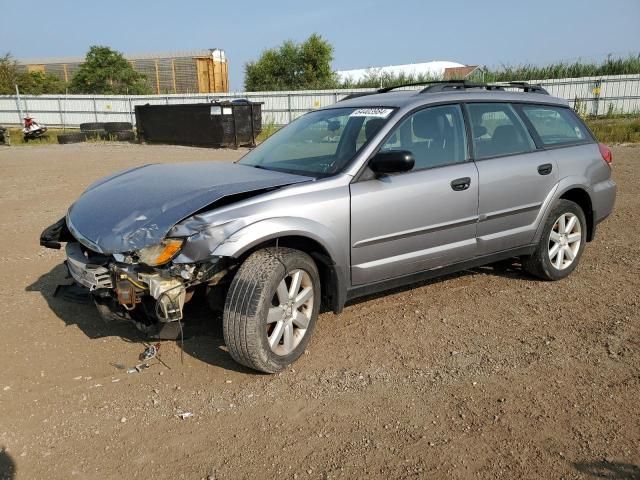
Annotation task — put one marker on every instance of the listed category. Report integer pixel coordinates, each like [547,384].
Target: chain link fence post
[95,108]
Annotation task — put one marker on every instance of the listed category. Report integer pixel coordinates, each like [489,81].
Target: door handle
[545,169]
[460,184]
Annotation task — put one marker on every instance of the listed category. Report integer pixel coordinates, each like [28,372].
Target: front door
[421,219]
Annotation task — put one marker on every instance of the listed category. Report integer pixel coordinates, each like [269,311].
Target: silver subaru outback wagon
[374,192]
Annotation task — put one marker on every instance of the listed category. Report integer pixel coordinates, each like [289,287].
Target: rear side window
[556,125]
[497,130]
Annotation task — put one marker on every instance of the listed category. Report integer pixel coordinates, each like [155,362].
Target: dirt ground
[484,374]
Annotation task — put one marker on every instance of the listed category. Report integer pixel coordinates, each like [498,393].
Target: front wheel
[271,308]
[562,243]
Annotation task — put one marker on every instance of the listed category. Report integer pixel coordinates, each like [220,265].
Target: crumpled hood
[136,208]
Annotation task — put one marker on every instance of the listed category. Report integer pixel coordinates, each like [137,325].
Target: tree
[40,83]
[9,75]
[106,71]
[303,66]
[32,83]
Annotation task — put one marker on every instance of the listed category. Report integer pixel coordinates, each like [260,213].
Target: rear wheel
[561,244]
[271,309]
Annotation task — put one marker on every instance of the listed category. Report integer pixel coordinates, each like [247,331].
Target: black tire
[113,127]
[122,136]
[539,263]
[249,299]
[75,137]
[96,135]
[87,127]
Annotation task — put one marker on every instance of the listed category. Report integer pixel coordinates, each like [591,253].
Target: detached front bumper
[84,273]
[123,291]
[153,298]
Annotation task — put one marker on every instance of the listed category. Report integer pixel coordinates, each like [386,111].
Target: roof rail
[358,94]
[435,86]
[388,89]
[527,87]
[444,85]
[417,84]
[500,86]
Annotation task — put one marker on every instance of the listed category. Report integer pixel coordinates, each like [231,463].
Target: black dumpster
[216,124]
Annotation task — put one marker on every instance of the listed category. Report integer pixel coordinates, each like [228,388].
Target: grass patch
[615,130]
[268,129]
[610,66]
[51,137]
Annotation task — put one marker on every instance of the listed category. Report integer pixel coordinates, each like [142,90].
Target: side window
[556,125]
[435,136]
[497,130]
[369,128]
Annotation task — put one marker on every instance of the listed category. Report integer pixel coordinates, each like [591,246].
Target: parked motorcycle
[33,129]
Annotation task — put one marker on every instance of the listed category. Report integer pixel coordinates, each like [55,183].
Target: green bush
[618,130]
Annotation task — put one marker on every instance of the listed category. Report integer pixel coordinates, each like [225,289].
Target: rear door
[515,177]
[421,219]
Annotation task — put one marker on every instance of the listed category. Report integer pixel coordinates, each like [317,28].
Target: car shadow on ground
[203,338]
[510,268]
[609,470]
[7,466]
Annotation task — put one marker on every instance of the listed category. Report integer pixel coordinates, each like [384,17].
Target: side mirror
[393,161]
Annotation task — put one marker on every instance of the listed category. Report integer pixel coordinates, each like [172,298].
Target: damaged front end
[142,287]
[141,241]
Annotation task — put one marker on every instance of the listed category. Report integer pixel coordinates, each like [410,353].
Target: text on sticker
[372,112]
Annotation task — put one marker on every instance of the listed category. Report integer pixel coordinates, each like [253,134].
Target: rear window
[497,130]
[555,125]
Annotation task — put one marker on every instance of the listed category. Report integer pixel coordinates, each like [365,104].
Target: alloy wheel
[289,316]
[564,240]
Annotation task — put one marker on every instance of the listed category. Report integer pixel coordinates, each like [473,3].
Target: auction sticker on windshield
[372,112]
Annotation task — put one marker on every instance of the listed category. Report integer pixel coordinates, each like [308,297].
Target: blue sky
[364,33]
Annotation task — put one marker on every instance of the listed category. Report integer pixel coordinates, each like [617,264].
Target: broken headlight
[160,254]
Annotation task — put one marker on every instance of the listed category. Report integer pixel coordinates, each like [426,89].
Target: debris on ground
[150,352]
[138,368]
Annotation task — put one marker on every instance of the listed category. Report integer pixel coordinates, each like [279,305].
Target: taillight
[607,156]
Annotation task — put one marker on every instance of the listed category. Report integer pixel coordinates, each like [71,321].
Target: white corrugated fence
[589,95]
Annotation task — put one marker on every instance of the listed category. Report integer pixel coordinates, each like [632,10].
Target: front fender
[262,231]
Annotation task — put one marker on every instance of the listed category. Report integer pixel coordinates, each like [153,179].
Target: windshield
[320,143]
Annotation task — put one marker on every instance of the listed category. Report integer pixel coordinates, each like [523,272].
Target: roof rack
[435,86]
[526,87]
[358,94]
[449,85]
[417,84]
